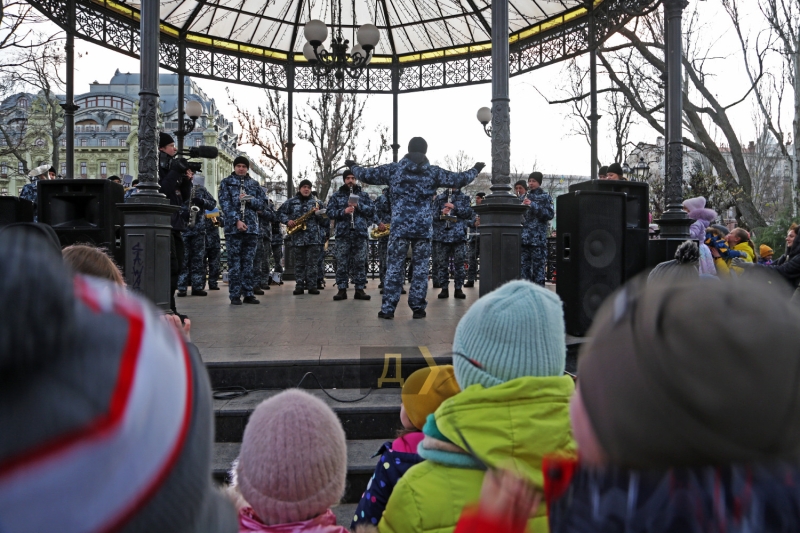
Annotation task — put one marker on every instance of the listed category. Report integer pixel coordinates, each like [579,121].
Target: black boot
[361,295]
[458,293]
[251,300]
[182,293]
[199,292]
[437,285]
[402,291]
[381,314]
[236,301]
[341,295]
[444,294]
[214,288]
[313,291]
[298,291]
[258,291]
[380,285]
[420,313]
[469,284]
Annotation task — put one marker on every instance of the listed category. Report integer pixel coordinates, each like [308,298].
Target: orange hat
[426,389]
[765,251]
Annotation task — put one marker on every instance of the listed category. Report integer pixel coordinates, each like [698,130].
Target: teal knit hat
[514,331]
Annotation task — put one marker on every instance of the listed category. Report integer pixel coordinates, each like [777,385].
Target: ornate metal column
[288,249]
[147,228]
[593,117]
[674,223]
[181,75]
[395,109]
[69,106]
[501,212]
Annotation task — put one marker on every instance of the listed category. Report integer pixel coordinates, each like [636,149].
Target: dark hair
[523,183]
[92,261]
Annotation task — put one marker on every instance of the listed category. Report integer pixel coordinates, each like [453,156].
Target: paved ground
[314,327]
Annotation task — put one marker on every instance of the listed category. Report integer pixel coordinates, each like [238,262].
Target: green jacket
[512,425]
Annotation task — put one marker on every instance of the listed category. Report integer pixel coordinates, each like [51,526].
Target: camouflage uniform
[241,245]
[261,265]
[277,244]
[31,193]
[451,237]
[473,249]
[128,194]
[325,235]
[194,244]
[213,252]
[435,255]
[307,244]
[383,214]
[351,242]
[412,182]
[535,228]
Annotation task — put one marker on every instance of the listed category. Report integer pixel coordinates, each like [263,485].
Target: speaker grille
[599,248]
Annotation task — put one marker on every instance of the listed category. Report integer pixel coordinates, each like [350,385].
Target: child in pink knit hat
[291,468]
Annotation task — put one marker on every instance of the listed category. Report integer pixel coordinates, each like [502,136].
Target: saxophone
[300,222]
[193,209]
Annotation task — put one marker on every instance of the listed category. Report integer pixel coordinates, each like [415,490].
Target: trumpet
[378,234]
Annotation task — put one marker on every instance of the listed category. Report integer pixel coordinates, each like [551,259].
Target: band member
[352,211]
[450,235]
[51,173]
[30,191]
[436,271]
[213,249]
[383,216]
[474,244]
[261,265]
[176,187]
[325,235]
[194,237]
[535,228]
[413,182]
[240,198]
[306,242]
[277,251]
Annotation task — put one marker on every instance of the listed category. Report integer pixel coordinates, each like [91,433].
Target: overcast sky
[446,117]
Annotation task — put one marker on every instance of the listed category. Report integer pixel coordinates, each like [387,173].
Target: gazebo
[423,45]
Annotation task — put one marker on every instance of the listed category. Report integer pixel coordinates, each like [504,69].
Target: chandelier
[340,58]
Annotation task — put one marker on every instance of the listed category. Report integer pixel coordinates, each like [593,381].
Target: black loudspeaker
[83,211]
[637,205]
[590,253]
[13,209]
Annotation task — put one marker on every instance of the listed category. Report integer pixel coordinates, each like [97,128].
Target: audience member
[739,240]
[696,210]
[679,429]
[291,468]
[423,392]
[106,415]
[509,358]
[92,261]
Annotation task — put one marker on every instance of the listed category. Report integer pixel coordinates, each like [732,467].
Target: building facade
[106,132]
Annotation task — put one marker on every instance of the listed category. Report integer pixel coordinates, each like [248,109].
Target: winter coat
[734,499]
[231,206]
[265,218]
[201,222]
[788,265]
[296,207]
[535,225]
[454,231]
[324,523]
[749,257]
[702,219]
[395,460]
[362,216]
[413,182]
[177,188]
[511,425]
[383,209]
[31,193]
[277,236]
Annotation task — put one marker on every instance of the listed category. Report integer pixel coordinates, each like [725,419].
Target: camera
[182,164]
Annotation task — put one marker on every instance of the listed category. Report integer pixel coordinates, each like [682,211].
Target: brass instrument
[300,222]
[193,209]
[378,234]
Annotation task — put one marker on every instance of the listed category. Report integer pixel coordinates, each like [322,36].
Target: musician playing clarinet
[352,210]
[240,199]
[306,241]
[413,182]
[450,234]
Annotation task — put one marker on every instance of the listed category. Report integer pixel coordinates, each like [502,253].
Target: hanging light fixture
[339,60]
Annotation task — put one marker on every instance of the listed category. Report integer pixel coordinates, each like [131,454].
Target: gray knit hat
[106,414]
[516,330]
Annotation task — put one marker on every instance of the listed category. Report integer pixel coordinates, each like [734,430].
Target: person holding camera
[194,237]
[240,200]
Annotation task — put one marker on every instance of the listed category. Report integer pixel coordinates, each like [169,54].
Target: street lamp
[485,118]
[626,169]
[193,110]
[338,59]
[642,169]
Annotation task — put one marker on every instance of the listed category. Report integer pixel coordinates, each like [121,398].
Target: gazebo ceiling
[410,30]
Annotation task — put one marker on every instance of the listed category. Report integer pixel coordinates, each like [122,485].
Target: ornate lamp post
[193,110]
[485,117]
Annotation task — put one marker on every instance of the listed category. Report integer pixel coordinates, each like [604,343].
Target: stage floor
[314,327]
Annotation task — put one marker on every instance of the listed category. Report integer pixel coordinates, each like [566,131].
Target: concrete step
[344,513]
[360,464]
[375,417]
[363,372]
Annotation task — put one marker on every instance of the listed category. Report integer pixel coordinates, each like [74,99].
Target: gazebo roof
[424,44]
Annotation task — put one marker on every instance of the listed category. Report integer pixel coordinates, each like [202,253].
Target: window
[4,191]
[84,142]
[103,169]
[63,169]
[107,101]
[23,103]
[83,169]
[123,168]
[78,129]
[198,142]
[123,129]
[4,168]
[20,167]
[103,142]
[123,142]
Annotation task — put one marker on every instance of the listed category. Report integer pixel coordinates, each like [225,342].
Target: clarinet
[241,198]
[447,223]
[352,215]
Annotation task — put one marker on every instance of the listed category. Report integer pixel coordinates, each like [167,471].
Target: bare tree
[266,128]
[459,162]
